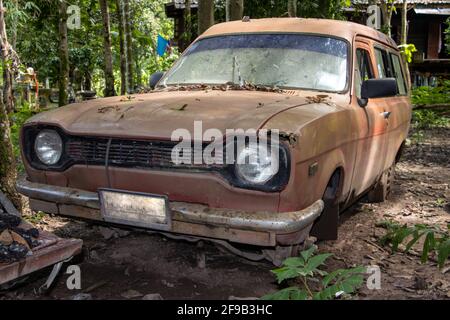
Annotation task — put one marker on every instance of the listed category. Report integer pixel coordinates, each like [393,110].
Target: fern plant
[435,240]
[306,269]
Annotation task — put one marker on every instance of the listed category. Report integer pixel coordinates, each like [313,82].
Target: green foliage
[35,218]
[431,95]
[426,119]
[434,239]
[306,270]
[33,25]
[417,137]
[407,50]
[17,119]
[447,36]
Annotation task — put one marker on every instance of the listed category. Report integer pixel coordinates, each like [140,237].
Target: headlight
[256,163]
[48,147]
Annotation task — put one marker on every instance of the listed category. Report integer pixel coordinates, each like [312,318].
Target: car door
[397,109]
[371,123]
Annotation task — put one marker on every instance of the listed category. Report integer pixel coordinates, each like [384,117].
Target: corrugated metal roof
[180,4]
[435,11]
[424,2]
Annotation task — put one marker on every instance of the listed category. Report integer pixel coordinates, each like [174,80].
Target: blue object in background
[161,45]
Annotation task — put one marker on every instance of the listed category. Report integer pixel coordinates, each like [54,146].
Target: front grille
[128,153]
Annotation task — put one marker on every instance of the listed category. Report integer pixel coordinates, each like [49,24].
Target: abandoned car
[336,92]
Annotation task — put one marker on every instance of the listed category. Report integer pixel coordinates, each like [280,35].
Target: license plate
[135,209]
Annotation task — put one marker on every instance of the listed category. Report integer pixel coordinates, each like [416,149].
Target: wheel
[382,189]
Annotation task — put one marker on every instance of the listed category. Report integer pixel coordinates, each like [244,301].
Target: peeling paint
[291,137]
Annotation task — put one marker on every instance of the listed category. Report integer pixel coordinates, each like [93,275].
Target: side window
[384,64]
[398,73]
[363,69]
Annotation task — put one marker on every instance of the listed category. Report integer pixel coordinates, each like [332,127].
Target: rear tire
[382,189]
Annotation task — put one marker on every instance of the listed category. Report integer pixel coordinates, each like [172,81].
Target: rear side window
[398,73]
[384,64]
[364,70]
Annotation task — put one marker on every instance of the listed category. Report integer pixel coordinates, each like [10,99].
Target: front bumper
[255,228]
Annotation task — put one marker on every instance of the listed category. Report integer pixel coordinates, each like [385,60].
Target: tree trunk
[404,37]
[123,60]
[236,9]
[404,34]
[205,15]
[386,11]
[8,172]
[14,26]
[187,17]
[292,8]
[138,72]
[109,76]
[129,46]
[63,55]
[8,97]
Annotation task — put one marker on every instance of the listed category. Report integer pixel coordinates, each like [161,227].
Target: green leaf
[294,262]
[316,261]
[416,236]
[291,293]
[401,235]
[306,254]
[443,252]
[354,281]
[428,245]
[346,280]
[330,277]
[285,273]
[327,293]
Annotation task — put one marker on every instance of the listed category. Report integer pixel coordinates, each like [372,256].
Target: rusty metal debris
[24,249]
[15,242]
[180,108]
[318,98]
[108,108]
[127,98]
[291,137]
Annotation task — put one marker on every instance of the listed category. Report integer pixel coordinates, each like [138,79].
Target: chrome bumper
[184,213]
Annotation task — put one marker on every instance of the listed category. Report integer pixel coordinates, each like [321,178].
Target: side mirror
[154,78]
[379,88]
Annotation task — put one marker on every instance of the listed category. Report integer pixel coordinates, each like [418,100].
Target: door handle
[385,114]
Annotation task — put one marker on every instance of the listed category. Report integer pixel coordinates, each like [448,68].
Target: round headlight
[257,165]
[48,147]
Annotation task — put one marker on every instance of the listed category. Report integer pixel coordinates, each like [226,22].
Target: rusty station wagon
[336,91]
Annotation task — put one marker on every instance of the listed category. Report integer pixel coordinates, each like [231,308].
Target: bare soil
[131,264]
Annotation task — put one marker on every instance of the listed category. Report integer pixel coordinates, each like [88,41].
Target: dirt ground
[122,264]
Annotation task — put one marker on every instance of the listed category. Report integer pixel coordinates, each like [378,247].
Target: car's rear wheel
[382,189]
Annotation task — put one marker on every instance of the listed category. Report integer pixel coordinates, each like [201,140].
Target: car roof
[335,28]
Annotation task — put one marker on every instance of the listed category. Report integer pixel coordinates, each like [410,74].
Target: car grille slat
[126,153]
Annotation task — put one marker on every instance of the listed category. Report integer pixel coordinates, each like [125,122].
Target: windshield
[281,60]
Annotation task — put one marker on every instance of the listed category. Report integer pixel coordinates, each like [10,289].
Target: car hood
[158,114]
